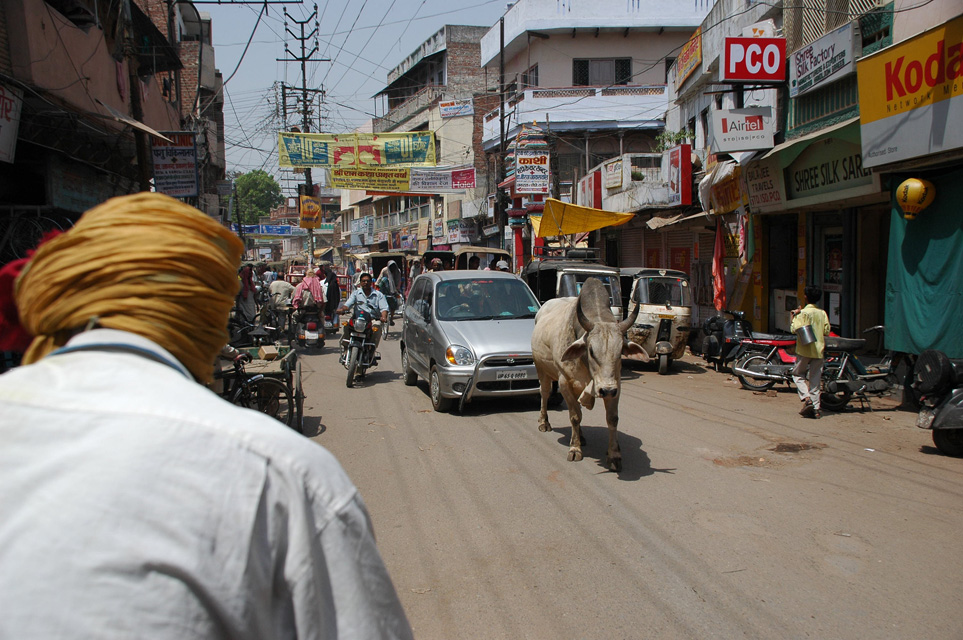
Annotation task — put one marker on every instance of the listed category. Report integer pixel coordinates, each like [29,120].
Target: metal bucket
[805,335]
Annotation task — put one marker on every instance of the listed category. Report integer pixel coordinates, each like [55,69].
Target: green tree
[257,194]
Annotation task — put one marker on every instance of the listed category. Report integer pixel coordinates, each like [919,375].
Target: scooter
[309,329]
[723,336]
[358,352]
[940,381]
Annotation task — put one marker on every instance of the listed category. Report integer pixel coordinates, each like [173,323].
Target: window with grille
[601,72]
[530,77]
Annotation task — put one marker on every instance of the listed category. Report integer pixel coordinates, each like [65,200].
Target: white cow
[580,344]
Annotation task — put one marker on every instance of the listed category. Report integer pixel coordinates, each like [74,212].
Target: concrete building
[440,87]
[592,77]
[85,87]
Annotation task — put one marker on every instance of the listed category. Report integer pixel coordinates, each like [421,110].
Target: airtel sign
[754,60]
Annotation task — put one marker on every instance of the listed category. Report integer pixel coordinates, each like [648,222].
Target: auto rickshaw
[664,321]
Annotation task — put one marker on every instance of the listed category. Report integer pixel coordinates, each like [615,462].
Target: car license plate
[510,375]
[310,335]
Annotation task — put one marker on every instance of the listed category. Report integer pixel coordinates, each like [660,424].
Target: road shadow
[311,426]
[635,461]
[632,369]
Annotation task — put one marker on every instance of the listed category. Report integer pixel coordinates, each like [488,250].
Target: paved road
[732,517]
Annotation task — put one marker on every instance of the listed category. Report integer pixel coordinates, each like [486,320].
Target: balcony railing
[625,105]
[408,109]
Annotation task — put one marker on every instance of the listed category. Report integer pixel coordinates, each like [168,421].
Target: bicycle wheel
[269,396]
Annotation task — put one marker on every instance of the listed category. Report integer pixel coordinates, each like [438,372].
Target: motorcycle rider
[368,298]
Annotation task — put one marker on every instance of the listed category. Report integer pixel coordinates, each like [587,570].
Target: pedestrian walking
[811,325]
[137,500]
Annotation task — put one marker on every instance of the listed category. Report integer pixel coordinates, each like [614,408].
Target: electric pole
[305,105]
[499,194]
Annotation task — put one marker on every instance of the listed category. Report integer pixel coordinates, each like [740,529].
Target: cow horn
[628,322]
[582,319]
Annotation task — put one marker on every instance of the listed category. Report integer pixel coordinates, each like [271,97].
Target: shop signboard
[726,194]
[408,149]
[765,185]
[754,60]
[590,190]
[911,97]
[454,108]
[531,171]
[175,163]
[826,60]
[441,180]
[678,160]
[11,103]
[690,57]
[747,129]
[438,228]
[826,166]
[309,212]
[371,179]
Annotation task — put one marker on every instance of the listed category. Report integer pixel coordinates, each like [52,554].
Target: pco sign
[754,60]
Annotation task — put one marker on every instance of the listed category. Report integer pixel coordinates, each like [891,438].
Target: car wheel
[438,402]
[409,377]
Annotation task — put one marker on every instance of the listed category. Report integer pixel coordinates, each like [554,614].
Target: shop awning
[561,218]
[788,156]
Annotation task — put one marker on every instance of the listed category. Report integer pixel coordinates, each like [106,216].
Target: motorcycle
[764,360]
[845,375]
[309,329]
[723,337]
[358,352]
[939,379]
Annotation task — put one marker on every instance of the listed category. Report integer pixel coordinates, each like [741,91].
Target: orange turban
[144,263]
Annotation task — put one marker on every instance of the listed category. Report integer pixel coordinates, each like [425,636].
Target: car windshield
[484,299]
[661,290]
[571,286]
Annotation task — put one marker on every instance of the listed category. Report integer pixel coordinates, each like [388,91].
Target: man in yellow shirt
[809,357]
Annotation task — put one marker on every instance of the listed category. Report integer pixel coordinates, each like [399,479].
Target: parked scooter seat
[776,337]
[834,343]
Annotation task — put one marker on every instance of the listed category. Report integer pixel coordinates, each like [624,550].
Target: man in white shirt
[137,503]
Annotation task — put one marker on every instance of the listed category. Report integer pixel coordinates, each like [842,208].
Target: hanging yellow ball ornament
[914,195]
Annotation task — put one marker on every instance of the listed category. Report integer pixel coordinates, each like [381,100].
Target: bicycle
[267,395]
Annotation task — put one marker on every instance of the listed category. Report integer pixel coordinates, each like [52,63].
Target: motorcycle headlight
[360,323]
[457,354]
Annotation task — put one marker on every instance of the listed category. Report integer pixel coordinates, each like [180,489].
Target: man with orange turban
[135,501]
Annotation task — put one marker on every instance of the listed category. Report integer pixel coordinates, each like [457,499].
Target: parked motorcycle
[845,375]
[765,359]
[309,329]
[939,379]
[358,352]
[723,337]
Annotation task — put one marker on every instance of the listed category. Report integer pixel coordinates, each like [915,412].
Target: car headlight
[457,354]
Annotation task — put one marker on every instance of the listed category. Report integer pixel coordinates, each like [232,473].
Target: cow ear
[635,351]
[575,350]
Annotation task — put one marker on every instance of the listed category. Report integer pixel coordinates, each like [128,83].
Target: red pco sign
[754,60]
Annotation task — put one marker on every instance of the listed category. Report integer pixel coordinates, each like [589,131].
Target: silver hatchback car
[469,334]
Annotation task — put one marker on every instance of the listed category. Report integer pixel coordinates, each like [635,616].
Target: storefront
[823,222]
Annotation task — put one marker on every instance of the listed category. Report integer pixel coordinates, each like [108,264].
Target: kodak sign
[911,96]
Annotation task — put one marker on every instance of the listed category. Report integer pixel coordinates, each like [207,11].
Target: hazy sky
[364,39]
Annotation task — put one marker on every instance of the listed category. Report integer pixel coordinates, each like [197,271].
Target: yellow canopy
[561,218]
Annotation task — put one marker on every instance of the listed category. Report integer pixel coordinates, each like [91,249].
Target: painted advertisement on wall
[911,96]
